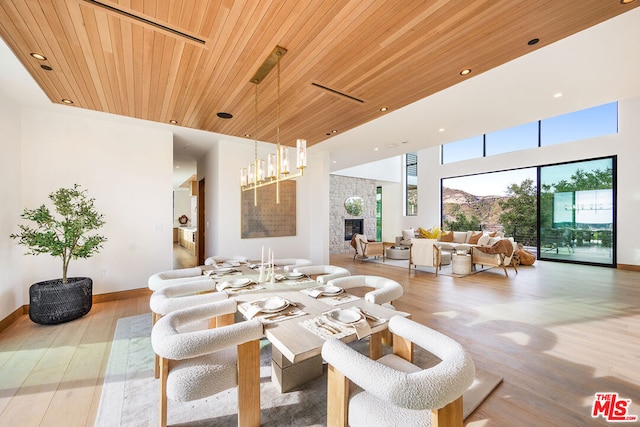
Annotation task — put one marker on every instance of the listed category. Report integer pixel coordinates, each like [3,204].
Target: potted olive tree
[65,233]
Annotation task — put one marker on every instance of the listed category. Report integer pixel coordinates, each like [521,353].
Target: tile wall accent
[342,187]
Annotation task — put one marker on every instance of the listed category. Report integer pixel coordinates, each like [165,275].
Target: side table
[460,263]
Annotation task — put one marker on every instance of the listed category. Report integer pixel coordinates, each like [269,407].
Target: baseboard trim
[8,321]
[630,267]
[111,296]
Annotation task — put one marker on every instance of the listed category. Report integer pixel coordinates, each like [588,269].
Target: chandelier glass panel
[277,166]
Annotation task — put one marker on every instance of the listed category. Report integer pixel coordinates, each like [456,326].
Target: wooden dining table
[296,357]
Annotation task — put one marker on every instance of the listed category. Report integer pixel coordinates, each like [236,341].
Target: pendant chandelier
[277,166]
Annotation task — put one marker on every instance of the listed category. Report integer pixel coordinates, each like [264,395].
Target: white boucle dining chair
[324,272]
[288,264]
[170,277]
[202,363]
[386,291]
[392,391]
[183,295]
[225,258]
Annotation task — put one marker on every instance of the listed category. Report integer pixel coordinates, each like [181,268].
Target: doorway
[202,224]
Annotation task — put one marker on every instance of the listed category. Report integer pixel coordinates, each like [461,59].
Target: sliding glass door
[577,211]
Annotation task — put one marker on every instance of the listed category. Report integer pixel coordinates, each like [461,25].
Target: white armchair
[171,277]
[288,264]
[212,260]
[202,363]
[425,253]
[386,291]
[324,272]
[182,295]
[392,391]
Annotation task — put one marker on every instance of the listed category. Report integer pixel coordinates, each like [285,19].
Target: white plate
[346,317]
[272,305]
[223,269]
[239,283]
[331,290]
[293,275]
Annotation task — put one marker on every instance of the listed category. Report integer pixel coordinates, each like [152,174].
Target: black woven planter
[51,302]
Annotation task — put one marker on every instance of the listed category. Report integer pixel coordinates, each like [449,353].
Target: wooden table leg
[337,398]
[249,384]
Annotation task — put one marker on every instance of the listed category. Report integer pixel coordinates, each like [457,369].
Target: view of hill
[486,208]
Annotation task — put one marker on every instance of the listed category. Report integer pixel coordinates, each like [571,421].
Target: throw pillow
[434,233]
[408,234]
[482,241]
[473,240]
[446,237]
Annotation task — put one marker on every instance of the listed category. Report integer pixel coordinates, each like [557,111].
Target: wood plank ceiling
[186,61]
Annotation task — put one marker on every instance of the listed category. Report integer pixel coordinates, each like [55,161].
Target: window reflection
[577,211]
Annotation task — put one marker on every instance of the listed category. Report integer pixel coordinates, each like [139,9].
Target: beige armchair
[425,253]
[500,254]
[364,248]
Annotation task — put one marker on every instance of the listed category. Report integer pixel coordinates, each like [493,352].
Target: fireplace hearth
[351,227]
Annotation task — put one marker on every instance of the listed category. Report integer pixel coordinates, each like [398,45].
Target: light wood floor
[557,333]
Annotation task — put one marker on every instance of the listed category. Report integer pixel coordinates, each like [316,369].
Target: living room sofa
[465,241]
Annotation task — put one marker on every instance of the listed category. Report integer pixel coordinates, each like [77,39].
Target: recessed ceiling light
[441,130]
[626,1]
[533,41]
[173,122]
[465,71]
[224,115]
[45,67]
[38,56]
[334,162]
[247,135]
[334,131]
[177,167]
[66,101]
[383,109]
[375,149]
[557,95]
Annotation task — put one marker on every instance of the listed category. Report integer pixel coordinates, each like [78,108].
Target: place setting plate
[239,283]
[292,276]
[345,317]
[272,305]
[234,284]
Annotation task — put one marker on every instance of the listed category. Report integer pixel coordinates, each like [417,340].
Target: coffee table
[397,253]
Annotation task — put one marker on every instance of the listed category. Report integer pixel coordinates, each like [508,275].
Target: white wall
[221,169]
[11,295]
[126,167]
[624,145]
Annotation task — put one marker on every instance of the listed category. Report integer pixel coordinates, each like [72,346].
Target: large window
[577,211]
[589,123]
[596,121]
[470,148]
[411,184]
[512,139]
[499,201]
[566,212]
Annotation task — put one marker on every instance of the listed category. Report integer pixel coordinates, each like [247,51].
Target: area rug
[130,393]
[445,271]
